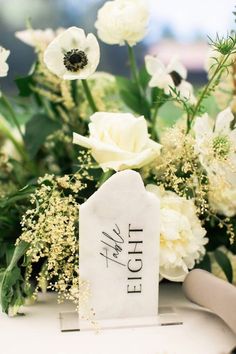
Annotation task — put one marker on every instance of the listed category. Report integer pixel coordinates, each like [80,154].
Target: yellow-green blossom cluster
[7,186]
[51,229]
[178,168]
[105,94]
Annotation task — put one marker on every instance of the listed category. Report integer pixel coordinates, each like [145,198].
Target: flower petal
[186,91]
[72,38]
[176,65]
[163,81]
[177,274]
[203,127]
[153,65]
[223,121]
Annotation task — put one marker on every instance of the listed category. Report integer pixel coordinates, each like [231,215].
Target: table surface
[38,332]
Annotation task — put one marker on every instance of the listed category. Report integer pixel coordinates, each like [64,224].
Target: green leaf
[159,96]
[24,85]
[4,110]
[225,264]
[10,294]
[144,77]
[13,198]
[205,263]
[127,85]
[130,95]
[9,253]
[131,100]
[8,280]
[37,130]
[18,253]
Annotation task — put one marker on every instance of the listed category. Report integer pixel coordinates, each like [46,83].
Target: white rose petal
[182,236]
[121,21]
[72,55]
[4,54]
[119,141]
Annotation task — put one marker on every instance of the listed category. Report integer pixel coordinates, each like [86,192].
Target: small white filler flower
[72,55]
[4,54]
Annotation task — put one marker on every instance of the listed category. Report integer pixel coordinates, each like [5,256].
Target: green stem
[105,176]
[135,76]
[12,113]
[74,90]
[30,165]
[17,145]
[89,96]
[134,68]
[154,133]
[206,88]
[133,65]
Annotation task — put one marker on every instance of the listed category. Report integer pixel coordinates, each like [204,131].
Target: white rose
[4,54]
[72,55]
[119,141]
[121,21]
[38,38]
[216,146]
[182,236]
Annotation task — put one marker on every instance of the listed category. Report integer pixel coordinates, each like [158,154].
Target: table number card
[119,249]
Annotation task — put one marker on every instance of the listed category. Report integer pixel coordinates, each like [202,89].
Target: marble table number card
[119,252]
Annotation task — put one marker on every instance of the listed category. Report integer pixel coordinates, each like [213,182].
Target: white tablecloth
[38,332]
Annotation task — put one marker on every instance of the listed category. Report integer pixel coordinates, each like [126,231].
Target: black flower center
[176,78]
[75,59]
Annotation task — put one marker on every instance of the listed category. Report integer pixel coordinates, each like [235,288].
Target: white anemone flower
[72,55]
[4,54]
[38,38]
[215,143]
[171,76]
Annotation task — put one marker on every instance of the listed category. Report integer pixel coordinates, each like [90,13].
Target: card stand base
[70,322]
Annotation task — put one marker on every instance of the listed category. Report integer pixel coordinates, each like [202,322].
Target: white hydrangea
[216,146]
[121,21]
[182,236]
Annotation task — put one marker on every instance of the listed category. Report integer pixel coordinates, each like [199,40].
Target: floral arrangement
[71,128]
